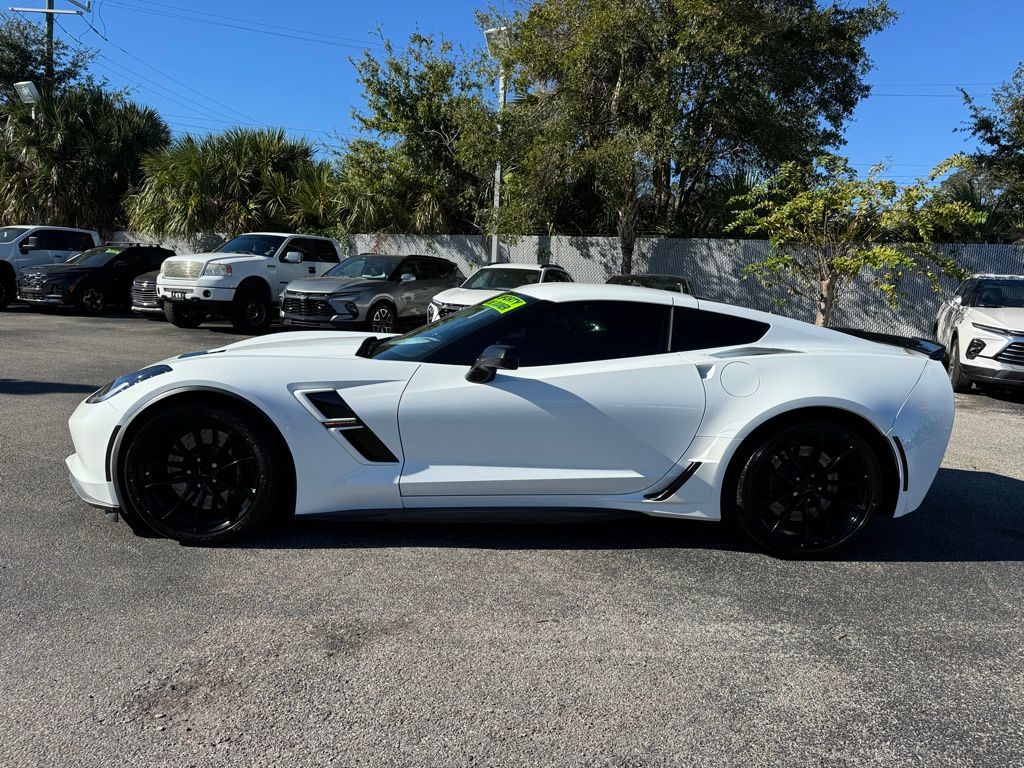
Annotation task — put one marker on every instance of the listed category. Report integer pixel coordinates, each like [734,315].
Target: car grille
[30,280]
[144,294]
[1013,354]
[306,306]
[189,270]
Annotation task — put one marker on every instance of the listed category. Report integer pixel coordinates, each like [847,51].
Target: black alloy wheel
[183,316]
[382,318]
[91,300]
[809,490]
[201,475]
[250,311]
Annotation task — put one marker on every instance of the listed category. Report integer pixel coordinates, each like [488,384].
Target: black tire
[809,490]
[201,475]
[250,310]
[382,318]
[8,287]
[182,315]
[959,380]
[90,300]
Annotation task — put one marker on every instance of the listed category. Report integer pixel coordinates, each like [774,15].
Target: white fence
[714,268]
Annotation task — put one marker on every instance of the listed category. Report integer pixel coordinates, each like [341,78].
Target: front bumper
[997,375]
[187,291]
[157,309]
[49,300]
[92,427]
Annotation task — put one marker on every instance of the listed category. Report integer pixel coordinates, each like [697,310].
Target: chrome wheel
[383,319]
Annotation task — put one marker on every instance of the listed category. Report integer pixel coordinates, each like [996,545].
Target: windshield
[369,266]
[257,245]
[1000,293]
[479,325]
[10,234]
[94,257]
[502,278]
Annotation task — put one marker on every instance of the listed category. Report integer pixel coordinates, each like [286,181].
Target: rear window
[698,329]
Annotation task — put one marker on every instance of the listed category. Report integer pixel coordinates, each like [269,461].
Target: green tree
[646,100]
[231,182]
[23,57]
[427,154]
[74,163]
[826,226]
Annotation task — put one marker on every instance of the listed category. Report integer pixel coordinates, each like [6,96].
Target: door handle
[311,270]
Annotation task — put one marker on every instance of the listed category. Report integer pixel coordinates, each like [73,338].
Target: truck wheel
[182,315]
[8,287]
[250,311]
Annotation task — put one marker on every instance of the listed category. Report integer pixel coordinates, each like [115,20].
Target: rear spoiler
[929,349]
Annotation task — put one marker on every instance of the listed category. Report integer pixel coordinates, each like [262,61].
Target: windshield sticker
[113,250]
[504,303]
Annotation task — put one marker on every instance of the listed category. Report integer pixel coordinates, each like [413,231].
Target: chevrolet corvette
[552,397]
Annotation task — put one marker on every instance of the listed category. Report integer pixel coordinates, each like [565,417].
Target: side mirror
[293,257]
[407,277]
[495,357]
[31,244]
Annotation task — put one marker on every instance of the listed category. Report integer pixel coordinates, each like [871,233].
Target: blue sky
[203,76]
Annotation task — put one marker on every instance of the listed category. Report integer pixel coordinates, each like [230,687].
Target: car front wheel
[382,318]
[182,315]
[250,311]
[91,300]
[957,378]
[201,474]
[809,490]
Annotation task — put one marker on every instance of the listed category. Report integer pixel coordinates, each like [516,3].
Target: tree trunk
[628,214]
[826,300]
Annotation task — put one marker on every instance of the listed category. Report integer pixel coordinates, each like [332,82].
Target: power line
[305,37]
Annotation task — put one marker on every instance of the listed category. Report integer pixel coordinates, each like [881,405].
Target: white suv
[491,280]
[982,328]
[35,246]
[242,278]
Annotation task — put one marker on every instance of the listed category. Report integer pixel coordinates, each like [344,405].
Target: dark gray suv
[371,291]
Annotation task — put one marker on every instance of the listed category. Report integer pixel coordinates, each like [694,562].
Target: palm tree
[236,181]
[74,163]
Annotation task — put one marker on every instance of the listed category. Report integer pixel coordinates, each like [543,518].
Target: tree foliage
[647,101]
[75,162]
[424,162]
[826,226]
[236,181]
[23,57]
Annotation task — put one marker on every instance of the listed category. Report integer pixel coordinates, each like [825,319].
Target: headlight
[213,269]
[993,329]
[121,383]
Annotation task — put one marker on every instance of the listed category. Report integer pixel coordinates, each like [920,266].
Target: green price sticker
[113,250]
[504,303]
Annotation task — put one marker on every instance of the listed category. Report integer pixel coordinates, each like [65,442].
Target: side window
[412,266]
[325,252]
[967,293]
[51,239]
[80,241]
[697,329]
[436,269]
[300,244]
[585,331]
[555,276]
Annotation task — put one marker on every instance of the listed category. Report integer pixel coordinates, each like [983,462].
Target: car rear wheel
[382,318]
[250,311]
[182,315]
[91,300]
[809,490]
[201,475]
[957,378]
[8,288]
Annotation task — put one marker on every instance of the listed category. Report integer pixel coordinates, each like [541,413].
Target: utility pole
[48,85]
[497,42]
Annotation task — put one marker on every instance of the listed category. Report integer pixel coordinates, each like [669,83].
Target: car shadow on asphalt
[26,387]
[967,517]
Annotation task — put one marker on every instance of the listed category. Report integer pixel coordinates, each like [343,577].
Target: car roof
[48,226]
[285,234]
[996,277]
[527,267]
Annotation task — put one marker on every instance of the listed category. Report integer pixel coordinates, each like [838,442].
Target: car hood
[233,258]
[1011,318]
[317,344]
[327,285]
[466,296]
[60,270]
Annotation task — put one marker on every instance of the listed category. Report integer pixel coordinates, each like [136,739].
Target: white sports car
[559,396]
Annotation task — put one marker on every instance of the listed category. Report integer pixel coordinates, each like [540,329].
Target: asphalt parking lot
[635,642]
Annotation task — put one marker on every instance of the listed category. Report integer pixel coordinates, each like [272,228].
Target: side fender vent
[335,413]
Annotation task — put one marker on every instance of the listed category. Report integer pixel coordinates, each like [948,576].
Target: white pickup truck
[34,246]
[242,279]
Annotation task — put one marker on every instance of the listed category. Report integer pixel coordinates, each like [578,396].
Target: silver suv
[370,291]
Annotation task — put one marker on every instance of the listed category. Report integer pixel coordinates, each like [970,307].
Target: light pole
[28,93]
[497,40]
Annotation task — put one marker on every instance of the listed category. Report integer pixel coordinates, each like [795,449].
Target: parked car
[491,280]
[661,282]
[145,299]
[241,279]
[372,290]
[557,396]
[93,280]
[27,246]
[982,330]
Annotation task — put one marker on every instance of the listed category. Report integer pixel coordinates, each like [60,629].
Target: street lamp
[497,42]
[28,93]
